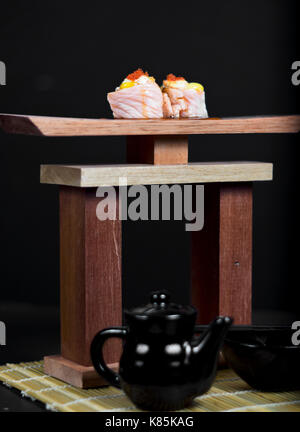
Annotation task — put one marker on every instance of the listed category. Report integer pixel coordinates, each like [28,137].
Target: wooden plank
[60,126]
[109,175]
[157,150]
[90,269]
[74,373]
[221,272]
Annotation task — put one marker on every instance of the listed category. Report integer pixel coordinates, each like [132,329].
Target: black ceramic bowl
[264,357]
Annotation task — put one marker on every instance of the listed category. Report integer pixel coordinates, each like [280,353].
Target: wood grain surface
[221,271]
[90,270]
[109,175]
[157,150]
[74,373]
[67,126]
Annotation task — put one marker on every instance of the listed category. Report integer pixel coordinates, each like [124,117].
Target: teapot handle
[97,353]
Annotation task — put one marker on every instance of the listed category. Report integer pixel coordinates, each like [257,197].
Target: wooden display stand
[90,249]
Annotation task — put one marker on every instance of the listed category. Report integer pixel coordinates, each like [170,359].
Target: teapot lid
[161,307]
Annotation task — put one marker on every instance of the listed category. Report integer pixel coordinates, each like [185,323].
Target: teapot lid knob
[161,308]
[160,298]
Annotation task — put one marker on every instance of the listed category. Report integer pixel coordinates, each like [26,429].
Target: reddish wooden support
[90,285]
[157,150]
[222,254]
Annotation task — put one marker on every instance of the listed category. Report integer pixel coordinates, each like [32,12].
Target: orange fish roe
[172,77]
[136,74]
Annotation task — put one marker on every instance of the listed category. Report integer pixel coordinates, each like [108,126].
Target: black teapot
[163,365]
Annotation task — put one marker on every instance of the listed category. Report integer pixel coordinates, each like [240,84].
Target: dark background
[62,58]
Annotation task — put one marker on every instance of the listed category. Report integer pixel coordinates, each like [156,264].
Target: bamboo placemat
[229,393]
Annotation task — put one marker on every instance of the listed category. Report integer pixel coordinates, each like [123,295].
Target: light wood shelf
[108,175]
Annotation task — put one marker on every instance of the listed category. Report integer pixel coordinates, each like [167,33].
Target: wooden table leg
[222,254]
[90,286]
[157,150]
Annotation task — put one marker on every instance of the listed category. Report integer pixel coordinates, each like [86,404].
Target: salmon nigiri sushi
[183,99]
[137,97]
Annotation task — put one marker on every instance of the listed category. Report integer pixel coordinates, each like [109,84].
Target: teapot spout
[210,343]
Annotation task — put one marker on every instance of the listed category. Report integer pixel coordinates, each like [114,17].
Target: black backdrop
[63,57]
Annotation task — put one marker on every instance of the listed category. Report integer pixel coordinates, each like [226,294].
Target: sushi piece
[137,97]
[183,99]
